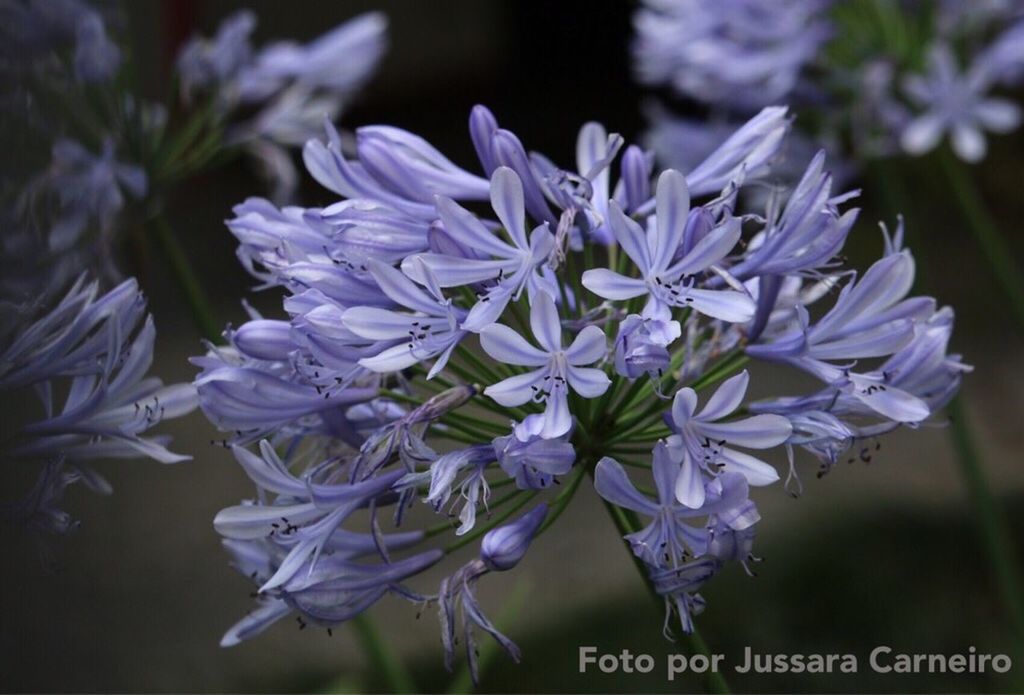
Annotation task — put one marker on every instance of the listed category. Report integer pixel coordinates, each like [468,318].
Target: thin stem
[992,526]
[202,312]
[986,233]
[991,522]
[382,660]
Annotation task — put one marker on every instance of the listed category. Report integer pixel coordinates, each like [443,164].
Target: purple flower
[501,549]
[87,360]
[534,462]
[512,268]
[701,443]
[667,282]
[432,331]
[957,104]
[473,489]
[557,369]
[681,556]
[640,346]
[204,63]
[88,189]
[745,53]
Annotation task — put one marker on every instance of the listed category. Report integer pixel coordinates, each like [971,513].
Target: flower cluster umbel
[450,333]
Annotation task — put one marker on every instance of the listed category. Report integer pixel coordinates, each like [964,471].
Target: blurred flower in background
[76,336]
[879,77]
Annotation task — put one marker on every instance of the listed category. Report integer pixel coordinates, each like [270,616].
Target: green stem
[992,526]
[986,233]
[382,660]
[991,522]
[188,281]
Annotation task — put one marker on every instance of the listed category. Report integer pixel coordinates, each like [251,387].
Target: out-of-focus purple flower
[339,61]
[97,58]
[94,352]
[744,53]
[88,189]
[204,63]
[955,103]
[34,29]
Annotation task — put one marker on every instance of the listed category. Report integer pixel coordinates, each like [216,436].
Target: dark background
[870,555]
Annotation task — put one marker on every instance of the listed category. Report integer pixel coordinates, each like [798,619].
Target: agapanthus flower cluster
[85,361]
[469,341]
[882,77]
[113,155]
[286,87]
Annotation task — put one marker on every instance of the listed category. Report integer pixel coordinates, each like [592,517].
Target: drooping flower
[680,555]
[93,352]
[501,550]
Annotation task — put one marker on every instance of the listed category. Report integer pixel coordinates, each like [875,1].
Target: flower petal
[756,471]
[588,382]
[726,399]
[690,483]
[465,228]
[727,305]
[673,206]
[683,406]
[610,285]
[507,201]
[515,390]
[631,237]
[507,346]
[453,271]
[557,418]
[544,322]
[612,483]
[587,347]
[757,432]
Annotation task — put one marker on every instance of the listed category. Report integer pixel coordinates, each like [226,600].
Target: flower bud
[503,547]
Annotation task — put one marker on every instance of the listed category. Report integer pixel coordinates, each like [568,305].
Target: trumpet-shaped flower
[665,282]
[511,268]
[701,442]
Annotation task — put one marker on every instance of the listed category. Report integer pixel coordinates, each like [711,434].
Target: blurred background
[885,553]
